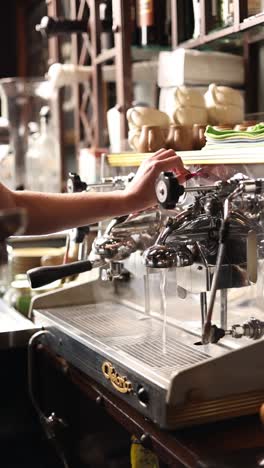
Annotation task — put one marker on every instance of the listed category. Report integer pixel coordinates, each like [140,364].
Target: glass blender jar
[22,100]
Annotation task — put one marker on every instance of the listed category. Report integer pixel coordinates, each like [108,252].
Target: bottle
[19,295]
[106,19]
[43,158]
[227,12]
[32,158]
[151,21]
[145,20]
[52,26]
[188,20]
[134,25]
[216,14]
[197,19]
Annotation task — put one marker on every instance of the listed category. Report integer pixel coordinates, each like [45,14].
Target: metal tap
[124,236]
[252,328]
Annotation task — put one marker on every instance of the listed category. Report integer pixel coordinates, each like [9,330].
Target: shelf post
[205,17]
[97,80]
[251,64]
[240,12]
[53,10]
[122,33]
[174,24]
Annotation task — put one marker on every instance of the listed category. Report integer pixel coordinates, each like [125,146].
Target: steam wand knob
[211,334]
[75,184]
[168,190]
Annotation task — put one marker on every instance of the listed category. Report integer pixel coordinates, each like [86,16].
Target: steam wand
[211,333]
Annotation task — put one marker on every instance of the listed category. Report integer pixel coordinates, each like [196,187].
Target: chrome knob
[75,184]
[168,190]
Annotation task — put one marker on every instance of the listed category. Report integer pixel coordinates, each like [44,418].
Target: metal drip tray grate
[131,335]
[103,320]
[151,350]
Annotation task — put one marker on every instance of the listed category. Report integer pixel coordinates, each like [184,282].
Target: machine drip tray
[132,335]
[184,384]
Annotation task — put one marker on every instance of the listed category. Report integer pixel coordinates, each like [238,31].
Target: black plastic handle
[44,275]
[53,26]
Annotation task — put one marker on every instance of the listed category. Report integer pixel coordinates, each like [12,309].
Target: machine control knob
[143,395]
[168,190]
[75,184]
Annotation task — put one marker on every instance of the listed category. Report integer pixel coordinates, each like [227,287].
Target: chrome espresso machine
[169,314]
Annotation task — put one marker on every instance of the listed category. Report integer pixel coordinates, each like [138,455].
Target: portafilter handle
[44,275]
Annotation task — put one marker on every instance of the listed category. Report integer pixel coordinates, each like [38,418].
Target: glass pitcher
[22,100]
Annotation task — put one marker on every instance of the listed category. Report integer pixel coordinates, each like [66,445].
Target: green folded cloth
[256,133]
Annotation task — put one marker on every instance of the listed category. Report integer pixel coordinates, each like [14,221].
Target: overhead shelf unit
[90,119]
[241,23]
[87,50]
[246,33]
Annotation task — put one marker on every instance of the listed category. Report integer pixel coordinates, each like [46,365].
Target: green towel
[256,133]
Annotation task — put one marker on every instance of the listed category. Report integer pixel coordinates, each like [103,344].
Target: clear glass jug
[22,100]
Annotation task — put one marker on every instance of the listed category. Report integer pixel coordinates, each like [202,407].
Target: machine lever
[44,275]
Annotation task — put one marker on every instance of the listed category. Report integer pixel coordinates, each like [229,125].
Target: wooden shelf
[210,37]
[246,155]
[105,56]
[224,33]
[242,23]
[252,21]
[90,126]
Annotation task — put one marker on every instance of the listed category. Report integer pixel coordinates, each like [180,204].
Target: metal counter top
[15,329]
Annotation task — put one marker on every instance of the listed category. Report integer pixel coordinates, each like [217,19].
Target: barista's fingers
[162,154]
[179,166]
[161,150]
[172,163]
[171,156]
[181,175]
[166,164]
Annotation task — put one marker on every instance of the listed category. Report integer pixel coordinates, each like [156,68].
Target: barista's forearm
[49,213]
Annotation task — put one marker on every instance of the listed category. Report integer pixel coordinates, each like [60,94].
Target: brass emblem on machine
[121,384]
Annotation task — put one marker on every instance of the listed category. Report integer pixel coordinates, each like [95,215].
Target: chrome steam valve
[168,190]
[253,329]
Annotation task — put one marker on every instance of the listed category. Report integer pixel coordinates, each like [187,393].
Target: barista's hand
[140,193]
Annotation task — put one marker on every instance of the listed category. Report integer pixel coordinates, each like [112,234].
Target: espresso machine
[169,312]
